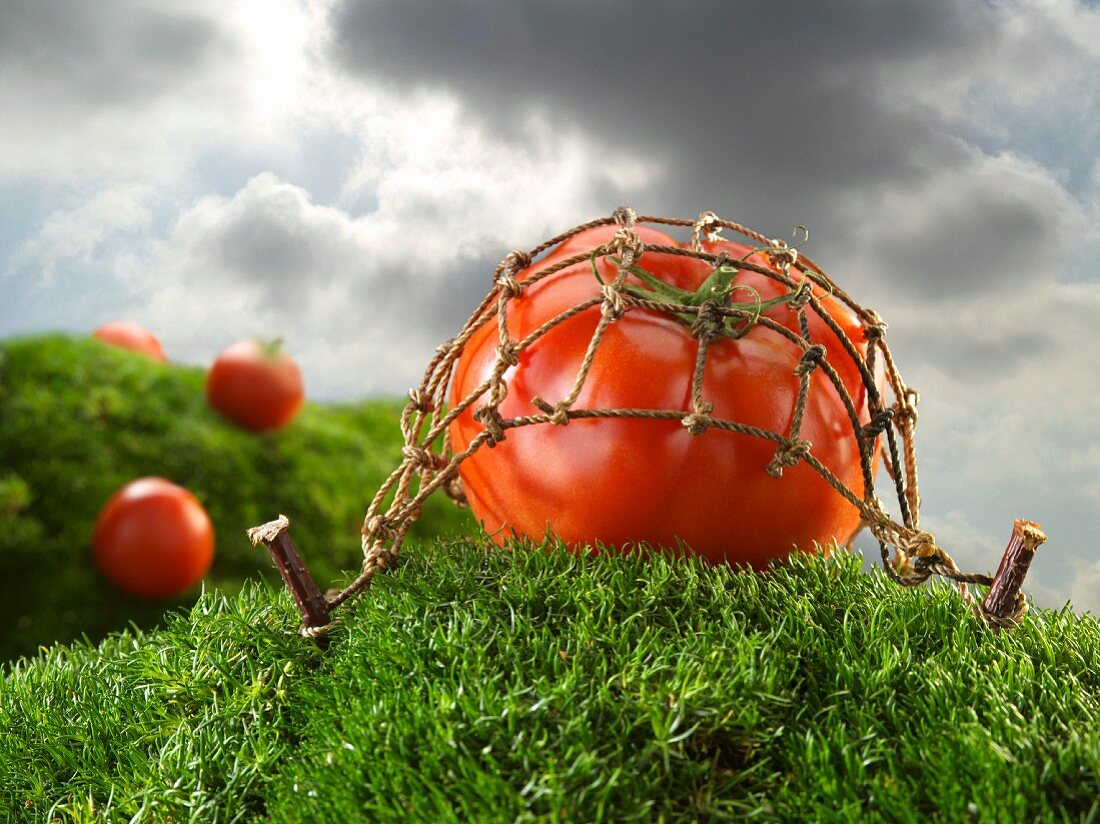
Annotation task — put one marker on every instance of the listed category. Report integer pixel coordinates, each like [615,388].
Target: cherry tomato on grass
[125,335]
[153,539]
[621,481]
[255,385]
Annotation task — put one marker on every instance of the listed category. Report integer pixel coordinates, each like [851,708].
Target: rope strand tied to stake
[431,463]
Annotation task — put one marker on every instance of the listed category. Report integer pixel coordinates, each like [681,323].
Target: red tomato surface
[255,385]
[130,336]
[153,539]
[624,481]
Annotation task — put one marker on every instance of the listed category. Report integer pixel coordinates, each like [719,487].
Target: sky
[346,174]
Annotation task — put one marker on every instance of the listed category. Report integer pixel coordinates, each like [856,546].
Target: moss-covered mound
[79,419]
[489,685]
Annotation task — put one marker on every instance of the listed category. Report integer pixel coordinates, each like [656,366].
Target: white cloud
[1083,467]
[1017,409]
[268,262]
[136,91]
[379,289]
[76,236]
[1085,587]
[979,224]
[1024,57]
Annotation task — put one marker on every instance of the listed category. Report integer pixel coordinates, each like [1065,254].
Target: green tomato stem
[718,288]
[271,349]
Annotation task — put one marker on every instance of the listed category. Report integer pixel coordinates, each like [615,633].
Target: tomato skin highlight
[153,539]
[126,335]
[623,481]
[256,386]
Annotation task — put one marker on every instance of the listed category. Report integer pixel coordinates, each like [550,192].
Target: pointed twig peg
[311,603]
[1004,604]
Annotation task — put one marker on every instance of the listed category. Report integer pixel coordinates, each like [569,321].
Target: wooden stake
[311,603]
[1000,601]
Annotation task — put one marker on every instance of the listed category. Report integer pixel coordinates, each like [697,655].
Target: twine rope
[429,462]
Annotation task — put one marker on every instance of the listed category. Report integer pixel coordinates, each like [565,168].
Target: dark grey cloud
[969,354]
[95,92]
[270,236]
[100,55]
[765,107]
[944,252]
[770,113]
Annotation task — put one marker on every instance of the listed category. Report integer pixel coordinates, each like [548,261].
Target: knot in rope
[702,226]
[1008,621]
[697,422]
[905,409]
[782,255]
[515,261]
[509,286]
[709,321]
[625,217]
[421,458]
[810,360]
[378,557]
[932,565]
[627,245]
[874,318]
[786,456]
[878,423]
[420,401]
[445,347]
[874,332]
[507,352]
[489,417]
[317,632]
[381,527]
[919,544]
[559,412]
[612,305]
[504,277]
[802,296]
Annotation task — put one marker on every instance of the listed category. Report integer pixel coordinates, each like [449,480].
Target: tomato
[133,337]
[153,539]
[255,385]
[622,481]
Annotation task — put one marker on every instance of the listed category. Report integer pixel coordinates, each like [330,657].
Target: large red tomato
[623,481]
[130,336]
[255,385]
[153,539]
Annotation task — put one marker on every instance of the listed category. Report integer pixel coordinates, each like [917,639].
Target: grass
[475,684]
[79,419]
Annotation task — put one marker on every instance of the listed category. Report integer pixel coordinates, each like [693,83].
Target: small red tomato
[153,539]
[130,336]
[255,385]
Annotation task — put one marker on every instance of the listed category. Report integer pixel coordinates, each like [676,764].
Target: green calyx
[272,350]
[717,291]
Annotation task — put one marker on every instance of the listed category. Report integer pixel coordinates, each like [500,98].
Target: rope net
[430,462]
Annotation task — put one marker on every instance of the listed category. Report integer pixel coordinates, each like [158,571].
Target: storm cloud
[832,115]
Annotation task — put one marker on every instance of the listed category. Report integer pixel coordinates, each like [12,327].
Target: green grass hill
[78,419]
[480,684]
[474,683]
